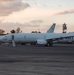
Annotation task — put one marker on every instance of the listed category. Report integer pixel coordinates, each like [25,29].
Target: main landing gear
[49,44]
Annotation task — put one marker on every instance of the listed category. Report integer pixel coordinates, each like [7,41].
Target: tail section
[51,29]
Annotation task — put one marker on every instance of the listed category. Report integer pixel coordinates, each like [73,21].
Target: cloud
[66,12]
[8,26]
[36,21]
[26,25]
[5,0]
[9,6]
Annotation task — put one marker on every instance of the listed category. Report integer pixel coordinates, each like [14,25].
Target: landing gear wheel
[50,44]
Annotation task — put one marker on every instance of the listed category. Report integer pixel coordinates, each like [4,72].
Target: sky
[31,15]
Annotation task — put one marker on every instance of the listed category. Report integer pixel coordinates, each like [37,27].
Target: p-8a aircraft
[45,39]
[50,30]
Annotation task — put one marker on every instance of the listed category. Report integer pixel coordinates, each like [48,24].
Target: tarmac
[37,60]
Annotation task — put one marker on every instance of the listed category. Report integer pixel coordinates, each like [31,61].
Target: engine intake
[41,42]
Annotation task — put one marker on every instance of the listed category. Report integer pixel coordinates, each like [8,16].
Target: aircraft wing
[50,38]
[59,36]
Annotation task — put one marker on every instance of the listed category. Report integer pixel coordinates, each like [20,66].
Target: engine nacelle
[41,42]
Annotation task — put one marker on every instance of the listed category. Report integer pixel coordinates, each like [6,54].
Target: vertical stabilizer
[51,29]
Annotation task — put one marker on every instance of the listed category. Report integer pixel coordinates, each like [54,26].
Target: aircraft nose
[3,39]
[0,39]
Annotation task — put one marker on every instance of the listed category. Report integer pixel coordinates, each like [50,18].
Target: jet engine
[41,42]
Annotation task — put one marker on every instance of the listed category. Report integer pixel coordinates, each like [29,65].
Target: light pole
[64,28]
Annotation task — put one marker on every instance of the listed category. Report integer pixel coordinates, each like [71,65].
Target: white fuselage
[33,37]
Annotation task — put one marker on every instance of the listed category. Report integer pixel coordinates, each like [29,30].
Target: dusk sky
[36,15]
